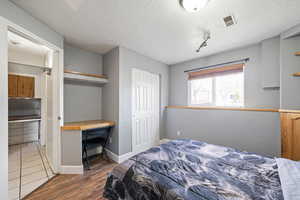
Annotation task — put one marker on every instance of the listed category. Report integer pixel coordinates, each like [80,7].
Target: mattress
[190,170]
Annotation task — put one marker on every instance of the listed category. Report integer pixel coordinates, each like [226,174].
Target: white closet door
[145,110]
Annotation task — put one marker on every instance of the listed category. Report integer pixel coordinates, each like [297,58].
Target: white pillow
[289,173]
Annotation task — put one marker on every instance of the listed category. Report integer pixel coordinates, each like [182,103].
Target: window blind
[228,69]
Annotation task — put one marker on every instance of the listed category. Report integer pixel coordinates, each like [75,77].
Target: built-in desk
[71,142]
[86,125]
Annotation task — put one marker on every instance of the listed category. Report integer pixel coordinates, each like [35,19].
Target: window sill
[223,108]
[289,111]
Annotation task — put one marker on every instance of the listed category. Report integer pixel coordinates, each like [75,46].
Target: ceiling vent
[229,21]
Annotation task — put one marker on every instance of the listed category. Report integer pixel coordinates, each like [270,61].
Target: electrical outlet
[178,133]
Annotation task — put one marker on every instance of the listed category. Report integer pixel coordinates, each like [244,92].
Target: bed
[190,170]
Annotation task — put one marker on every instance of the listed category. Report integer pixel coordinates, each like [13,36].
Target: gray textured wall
[110,97]
[270,62]
[246,130]
[290,95]
[252,131]
[20,17]
[71,153]
[255,94]
[82,101]
[128,60]
[117,93]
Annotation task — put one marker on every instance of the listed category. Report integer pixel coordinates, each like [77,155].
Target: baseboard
[112,156]
[117,158]
[126,156]
[69,169]
[122,158]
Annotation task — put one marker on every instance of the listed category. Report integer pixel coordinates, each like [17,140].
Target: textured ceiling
[161,29]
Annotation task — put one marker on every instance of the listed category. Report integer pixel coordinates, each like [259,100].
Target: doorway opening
[31,109]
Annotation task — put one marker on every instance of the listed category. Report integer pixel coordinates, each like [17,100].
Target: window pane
[229,90]
[201,91]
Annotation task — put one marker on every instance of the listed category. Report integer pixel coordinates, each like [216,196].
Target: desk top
[85,125]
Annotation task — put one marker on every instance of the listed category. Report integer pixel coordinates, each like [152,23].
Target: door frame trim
[4,110]
[58,84]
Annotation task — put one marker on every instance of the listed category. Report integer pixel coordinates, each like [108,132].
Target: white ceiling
[21,44]
[161,29]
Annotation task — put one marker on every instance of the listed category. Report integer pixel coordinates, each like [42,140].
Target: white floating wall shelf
[85,77]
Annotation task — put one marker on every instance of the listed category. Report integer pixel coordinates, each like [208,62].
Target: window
[217,89]
[201,91]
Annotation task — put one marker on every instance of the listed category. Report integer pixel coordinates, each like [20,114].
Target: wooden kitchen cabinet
[20,86]
[12,85]
[290,135]
[25,86]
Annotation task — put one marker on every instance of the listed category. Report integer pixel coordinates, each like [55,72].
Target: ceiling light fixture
[206,37]
[193,5]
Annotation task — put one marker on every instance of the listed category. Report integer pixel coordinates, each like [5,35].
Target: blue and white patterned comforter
[190,170]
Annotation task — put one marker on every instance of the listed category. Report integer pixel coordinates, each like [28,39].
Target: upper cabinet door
[12,85]
[25,86]
[20,86]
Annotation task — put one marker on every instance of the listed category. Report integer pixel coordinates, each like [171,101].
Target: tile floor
[28,169]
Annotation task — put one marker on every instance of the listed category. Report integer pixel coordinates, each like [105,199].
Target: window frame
[213,104]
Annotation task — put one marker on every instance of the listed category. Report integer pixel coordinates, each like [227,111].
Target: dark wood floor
[88,186]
